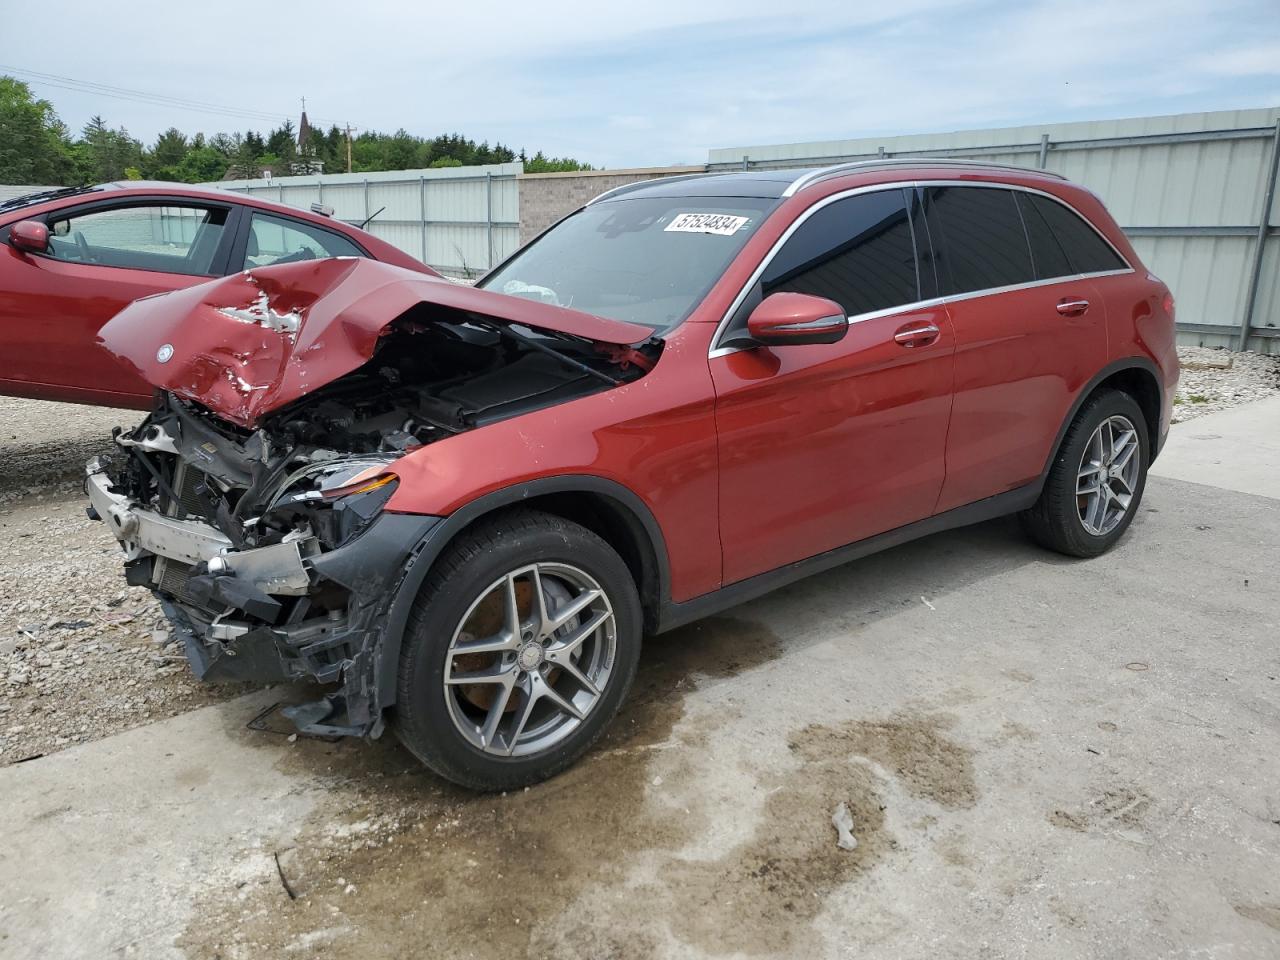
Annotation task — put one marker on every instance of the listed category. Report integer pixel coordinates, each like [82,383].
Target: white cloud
[663,82]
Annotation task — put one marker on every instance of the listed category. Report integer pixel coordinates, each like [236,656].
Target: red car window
[148,236]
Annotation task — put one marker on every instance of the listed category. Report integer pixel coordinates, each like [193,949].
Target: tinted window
[166,239]
[276,240]
[1087,251]
[1049,257]
[983,244]
[649,260]
[857,252]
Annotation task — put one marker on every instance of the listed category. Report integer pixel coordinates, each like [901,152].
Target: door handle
[1072,308]
[916,334]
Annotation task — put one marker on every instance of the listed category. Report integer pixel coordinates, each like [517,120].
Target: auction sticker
[721,224]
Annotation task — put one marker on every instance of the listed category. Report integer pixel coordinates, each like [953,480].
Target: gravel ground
[83,656]
[1251,376]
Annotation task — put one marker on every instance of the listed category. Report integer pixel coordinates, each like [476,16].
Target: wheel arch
[607,508]
[1136,376]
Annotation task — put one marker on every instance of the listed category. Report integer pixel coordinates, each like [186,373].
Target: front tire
[521,646]
[1096,481]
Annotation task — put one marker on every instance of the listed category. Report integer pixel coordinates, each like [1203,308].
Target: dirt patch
[551,871]
[913,750]
[476,872]
[1265,913]
[1115,808]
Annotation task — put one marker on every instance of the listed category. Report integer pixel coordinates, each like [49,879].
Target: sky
[652,83]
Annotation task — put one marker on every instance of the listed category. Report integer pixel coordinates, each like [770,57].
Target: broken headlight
[341,497]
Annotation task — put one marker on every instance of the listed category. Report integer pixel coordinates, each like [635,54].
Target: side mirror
[31,236]
[790,318]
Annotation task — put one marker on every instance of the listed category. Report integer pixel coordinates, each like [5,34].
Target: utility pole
[348,148]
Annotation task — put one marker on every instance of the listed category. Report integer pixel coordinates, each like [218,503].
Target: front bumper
[287,611]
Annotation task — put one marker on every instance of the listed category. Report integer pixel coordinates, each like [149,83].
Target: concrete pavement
[1044,758]
[1237,449]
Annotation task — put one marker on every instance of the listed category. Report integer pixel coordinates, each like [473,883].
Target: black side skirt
[675,614]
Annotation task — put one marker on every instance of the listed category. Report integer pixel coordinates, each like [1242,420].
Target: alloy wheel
[530,659]
[1108,475]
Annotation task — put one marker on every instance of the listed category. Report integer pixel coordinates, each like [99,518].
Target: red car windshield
[646,260]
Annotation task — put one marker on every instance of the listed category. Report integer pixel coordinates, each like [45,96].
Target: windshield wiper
[13,203]
[564,358]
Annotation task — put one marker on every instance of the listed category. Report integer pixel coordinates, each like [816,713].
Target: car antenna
[371,216]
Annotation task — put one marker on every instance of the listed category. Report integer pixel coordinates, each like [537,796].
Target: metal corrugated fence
[1194,192]
[460,220]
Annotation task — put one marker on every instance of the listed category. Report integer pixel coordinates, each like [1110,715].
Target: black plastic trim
[438,537]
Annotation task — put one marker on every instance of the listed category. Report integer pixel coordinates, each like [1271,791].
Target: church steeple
[304,130]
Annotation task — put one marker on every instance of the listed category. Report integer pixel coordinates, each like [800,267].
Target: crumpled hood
[250,343]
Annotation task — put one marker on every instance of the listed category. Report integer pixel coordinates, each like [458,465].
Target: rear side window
[1049,258]
[1087,252]
[276,240]
[983,244]
[857,251]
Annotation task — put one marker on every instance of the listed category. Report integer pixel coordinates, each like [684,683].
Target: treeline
[37,148]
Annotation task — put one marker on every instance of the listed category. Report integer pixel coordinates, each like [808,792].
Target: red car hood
[248,344]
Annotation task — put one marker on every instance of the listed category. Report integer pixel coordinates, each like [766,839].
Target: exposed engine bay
[268,546]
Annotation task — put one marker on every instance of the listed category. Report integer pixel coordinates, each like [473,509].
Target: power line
[145,97]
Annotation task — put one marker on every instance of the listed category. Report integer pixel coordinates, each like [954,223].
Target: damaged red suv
[461,509]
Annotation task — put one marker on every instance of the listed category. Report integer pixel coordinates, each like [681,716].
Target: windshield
[647,260]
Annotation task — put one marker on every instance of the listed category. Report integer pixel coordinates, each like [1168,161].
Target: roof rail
[637,184]
[813,176]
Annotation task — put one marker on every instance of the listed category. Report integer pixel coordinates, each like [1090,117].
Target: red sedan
[71,259]
[463,508]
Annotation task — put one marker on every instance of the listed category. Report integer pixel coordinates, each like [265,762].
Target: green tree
[539,163]
[282,142]
[171,146]
[202,165]
[103,154]
[34,146]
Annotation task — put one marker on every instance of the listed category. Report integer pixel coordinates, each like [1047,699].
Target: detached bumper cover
[243,614]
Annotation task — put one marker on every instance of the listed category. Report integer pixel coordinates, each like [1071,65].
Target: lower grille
[171,578]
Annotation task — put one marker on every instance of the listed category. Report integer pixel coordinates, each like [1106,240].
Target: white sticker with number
[720,224]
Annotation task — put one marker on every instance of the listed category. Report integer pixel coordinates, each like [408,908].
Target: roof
[777,184]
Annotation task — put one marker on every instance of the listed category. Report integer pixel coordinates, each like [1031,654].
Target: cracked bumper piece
[287,611]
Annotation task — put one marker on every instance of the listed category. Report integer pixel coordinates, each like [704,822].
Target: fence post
[320,190]
[282,193]
[1264,227]
[422,205]
[366,202]
[488,218]
[1044,150]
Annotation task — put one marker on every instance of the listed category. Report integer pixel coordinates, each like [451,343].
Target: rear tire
[497,690]
[1097,478]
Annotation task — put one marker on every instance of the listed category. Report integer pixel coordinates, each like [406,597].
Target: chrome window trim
[723,324]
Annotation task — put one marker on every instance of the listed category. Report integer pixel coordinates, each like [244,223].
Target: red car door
[1030,331]
[101,257]
[823,445]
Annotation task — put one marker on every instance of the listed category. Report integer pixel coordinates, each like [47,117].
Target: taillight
[1167,303]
